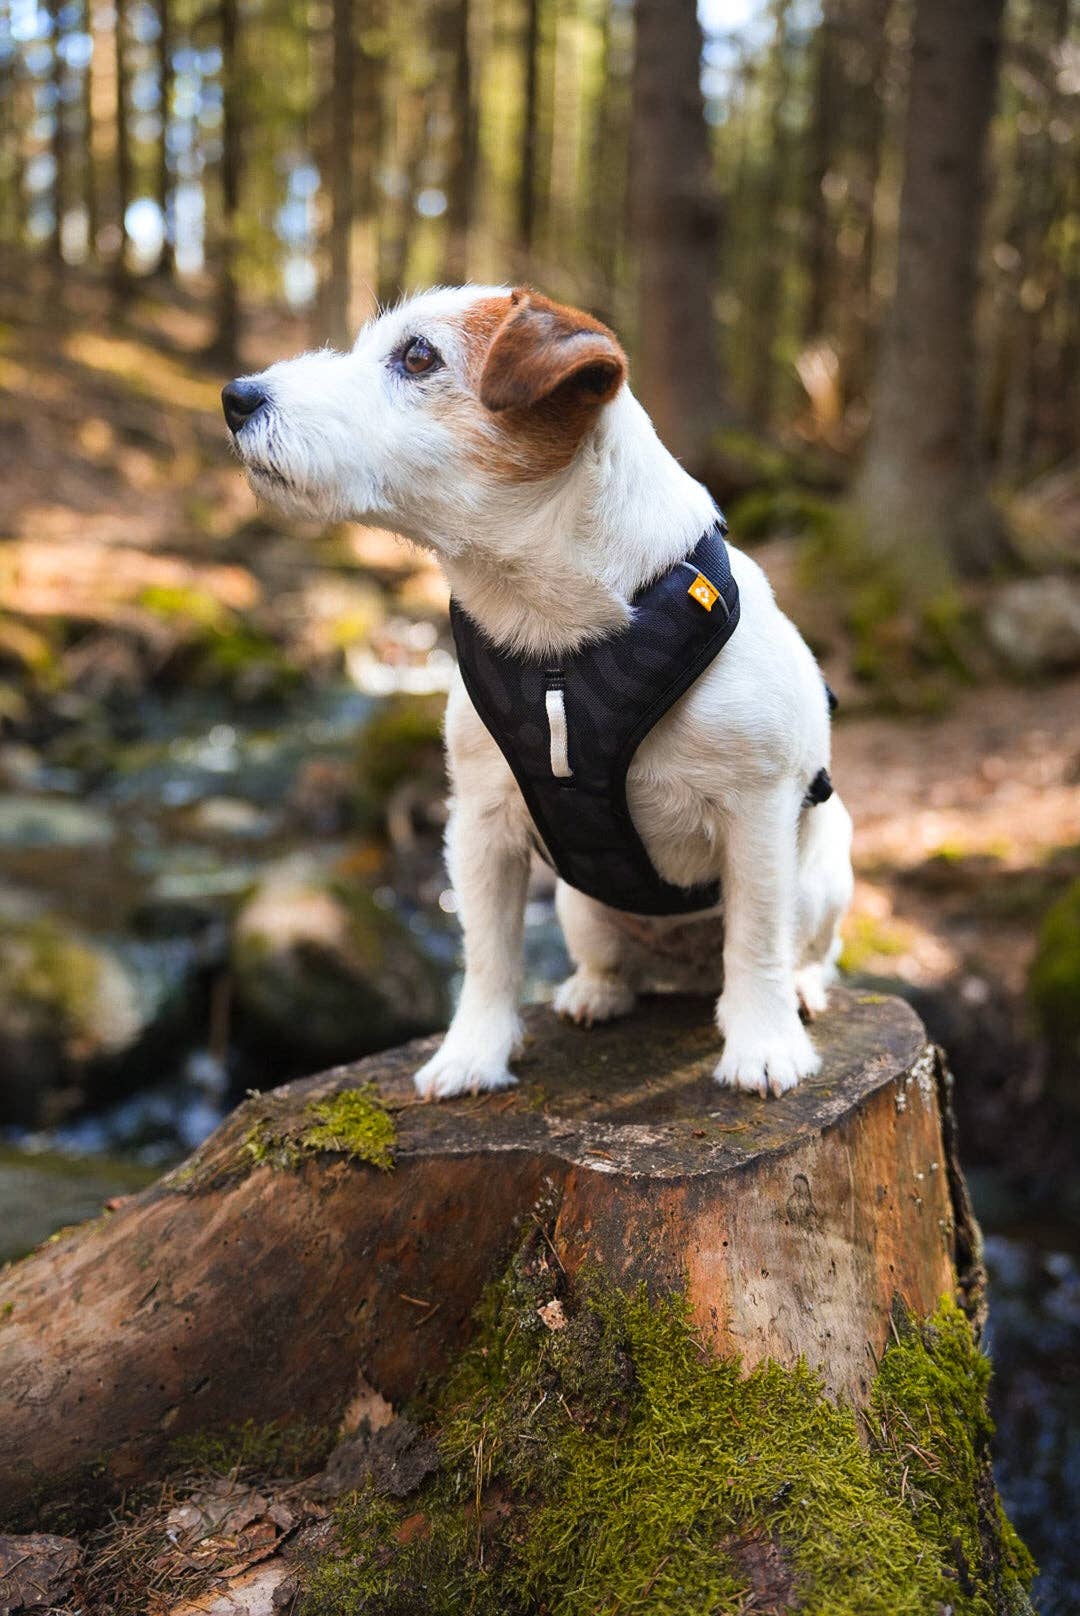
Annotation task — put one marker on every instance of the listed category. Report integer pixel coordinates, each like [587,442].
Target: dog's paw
[588,996]
[813,993]
[766,1057]
[453,1071]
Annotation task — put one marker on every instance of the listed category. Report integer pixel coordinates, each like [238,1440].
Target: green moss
[931,1430]
[224,649]
[401,739]
[354,1123]
[613,1464]
[277,1449]
[1054,983]
[867,939]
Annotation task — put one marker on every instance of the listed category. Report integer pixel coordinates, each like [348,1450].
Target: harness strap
[569,733]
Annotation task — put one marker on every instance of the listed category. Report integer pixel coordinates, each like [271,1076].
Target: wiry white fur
[716,787]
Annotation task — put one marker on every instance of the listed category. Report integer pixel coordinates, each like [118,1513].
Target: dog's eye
[418,357]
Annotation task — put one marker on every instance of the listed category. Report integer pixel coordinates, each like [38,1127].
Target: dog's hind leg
[602,987]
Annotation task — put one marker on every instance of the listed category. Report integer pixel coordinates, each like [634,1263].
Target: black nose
[240,400]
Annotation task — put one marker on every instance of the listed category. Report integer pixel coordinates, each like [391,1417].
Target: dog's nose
[240,401]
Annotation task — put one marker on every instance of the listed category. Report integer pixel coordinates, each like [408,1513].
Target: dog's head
[444,404]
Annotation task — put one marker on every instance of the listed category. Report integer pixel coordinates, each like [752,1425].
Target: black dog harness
[569,732]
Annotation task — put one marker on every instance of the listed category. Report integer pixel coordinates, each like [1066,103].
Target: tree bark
[124,173]
[337,318]
[59,141]
[227,337]
[922,489]
[461,168]
[167,257]
[675,229]
[530,130]
[232,1290]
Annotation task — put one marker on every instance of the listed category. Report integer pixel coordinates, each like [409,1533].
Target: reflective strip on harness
[555,702]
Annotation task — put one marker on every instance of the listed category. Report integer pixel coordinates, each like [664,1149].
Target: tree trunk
[167,258]
[227,337]
[530,131]
[270,1279]
[124,176]
[337,313]
[764,311]
[461,168]
[922,490]
[675,229]
[59,141]
[90,136]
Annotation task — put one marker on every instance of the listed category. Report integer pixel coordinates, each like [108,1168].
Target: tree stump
[276,1277]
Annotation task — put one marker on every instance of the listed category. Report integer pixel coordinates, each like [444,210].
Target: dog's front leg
[766,1048]
[489,870]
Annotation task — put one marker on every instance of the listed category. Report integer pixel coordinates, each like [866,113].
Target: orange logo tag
[704,593]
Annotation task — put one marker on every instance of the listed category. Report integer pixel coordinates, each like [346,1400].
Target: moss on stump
[597,1456]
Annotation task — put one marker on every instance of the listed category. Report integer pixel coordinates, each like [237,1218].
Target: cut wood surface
[289,1287]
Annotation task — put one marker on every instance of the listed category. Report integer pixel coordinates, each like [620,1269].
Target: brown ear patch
[542,371]
[542,348]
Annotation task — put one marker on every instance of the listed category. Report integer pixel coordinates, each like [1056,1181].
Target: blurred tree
[922,489]
[530,129]
[461,172]
[89,135]
[58,86]
[167,257]
[675,227]
[340,154]
[226,341]
[124,167]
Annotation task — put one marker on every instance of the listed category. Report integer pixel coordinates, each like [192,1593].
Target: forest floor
[123,517]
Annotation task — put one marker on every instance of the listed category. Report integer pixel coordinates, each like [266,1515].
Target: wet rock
[1035,623]
[36,1571]
[52,822]
[322,969]
[1054,990]
[229,816]
[401,769]
[75,1010]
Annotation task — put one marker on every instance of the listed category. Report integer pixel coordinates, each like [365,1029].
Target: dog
[497,428]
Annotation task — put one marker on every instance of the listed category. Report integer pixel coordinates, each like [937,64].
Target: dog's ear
[542,347]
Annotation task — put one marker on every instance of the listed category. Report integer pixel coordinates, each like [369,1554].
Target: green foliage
[354,1123]
[867,939]
[1054,983]
[606,1461]
[764,512]
[224,649]
[910,649]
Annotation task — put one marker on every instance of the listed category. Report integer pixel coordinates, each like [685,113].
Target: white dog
[497,429]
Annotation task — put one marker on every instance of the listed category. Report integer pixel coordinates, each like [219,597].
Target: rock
[73,1009]
[1054,991]
[229,816]
[52,822]
[66,1000]
[1035,623]
[324,970]
[36,1571]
